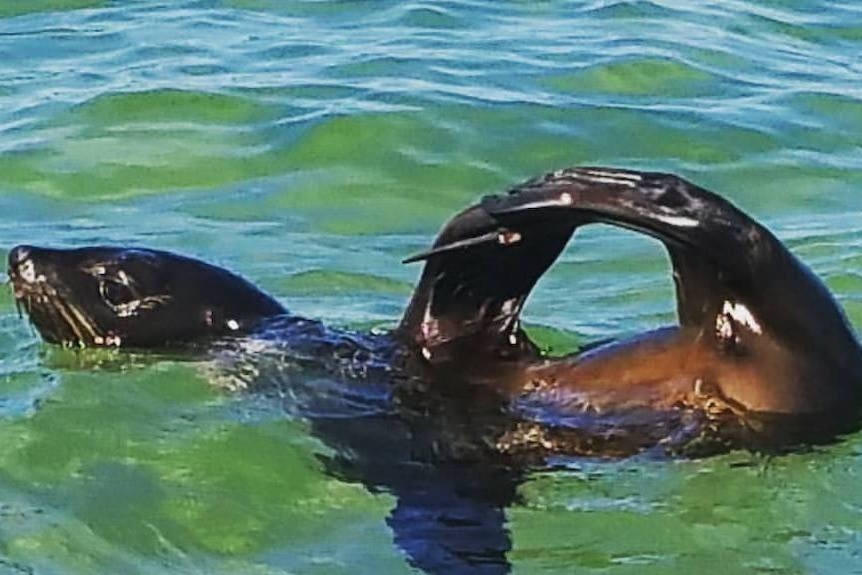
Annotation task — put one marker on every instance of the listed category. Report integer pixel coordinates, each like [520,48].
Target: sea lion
[131,297]
[761,344]
[464,404]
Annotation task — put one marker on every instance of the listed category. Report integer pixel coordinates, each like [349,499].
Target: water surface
[311,146]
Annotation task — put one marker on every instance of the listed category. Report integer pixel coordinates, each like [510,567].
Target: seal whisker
[83,321]
[58,306]
[51,316]
[28,307]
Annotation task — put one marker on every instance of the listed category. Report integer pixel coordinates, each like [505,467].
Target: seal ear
[734,279]
[475,281]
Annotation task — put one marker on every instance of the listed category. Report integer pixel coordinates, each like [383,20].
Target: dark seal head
[131,297]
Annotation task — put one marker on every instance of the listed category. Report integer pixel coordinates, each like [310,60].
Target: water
[313,145]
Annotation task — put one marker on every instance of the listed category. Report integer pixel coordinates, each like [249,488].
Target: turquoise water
[313,145]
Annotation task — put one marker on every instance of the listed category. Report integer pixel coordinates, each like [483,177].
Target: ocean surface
[311,146]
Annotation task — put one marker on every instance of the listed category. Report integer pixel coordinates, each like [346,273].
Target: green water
[311,146]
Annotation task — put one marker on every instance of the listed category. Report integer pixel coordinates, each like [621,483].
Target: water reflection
[436,453]
[430,443]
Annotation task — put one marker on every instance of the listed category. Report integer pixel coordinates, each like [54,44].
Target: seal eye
[116,293]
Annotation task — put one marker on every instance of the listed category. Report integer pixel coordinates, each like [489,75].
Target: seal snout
[22,268]
[18,255]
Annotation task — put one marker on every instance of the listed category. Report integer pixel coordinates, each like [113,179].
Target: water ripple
[311,145]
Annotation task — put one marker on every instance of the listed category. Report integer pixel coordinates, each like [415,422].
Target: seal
[762,356]
[131,297]
[457,405]
[762,349]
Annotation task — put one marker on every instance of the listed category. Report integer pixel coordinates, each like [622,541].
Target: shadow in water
[430,442]
[435,453]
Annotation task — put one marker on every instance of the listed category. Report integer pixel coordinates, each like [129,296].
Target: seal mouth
[54,316]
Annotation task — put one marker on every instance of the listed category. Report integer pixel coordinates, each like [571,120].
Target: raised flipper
[736,283]
[475,282]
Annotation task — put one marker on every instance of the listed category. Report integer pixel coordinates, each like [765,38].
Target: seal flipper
[475,281]
[737,285]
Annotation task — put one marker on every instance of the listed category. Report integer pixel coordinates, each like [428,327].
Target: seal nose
[18,257]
